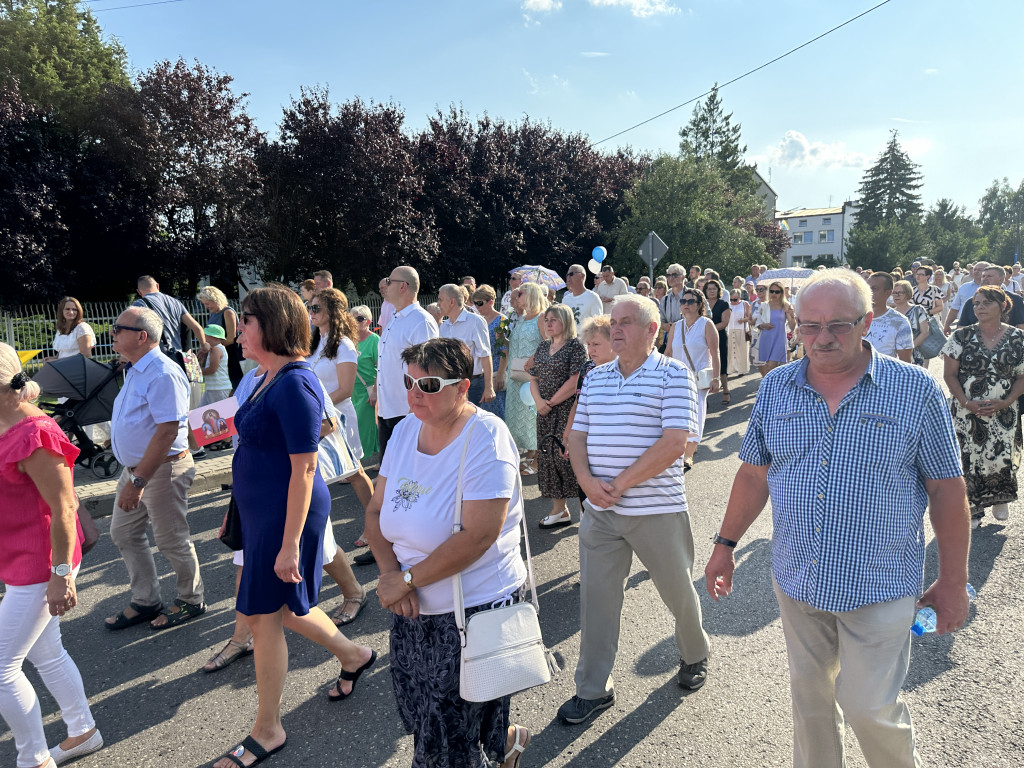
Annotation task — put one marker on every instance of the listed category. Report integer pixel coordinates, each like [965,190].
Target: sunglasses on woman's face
[734,301]
[359,318]
[314,308]
[429,385]
[479,303]
[774,291]
[688,301]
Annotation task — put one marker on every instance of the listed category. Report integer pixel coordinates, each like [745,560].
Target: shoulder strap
[682,335]
[460,608]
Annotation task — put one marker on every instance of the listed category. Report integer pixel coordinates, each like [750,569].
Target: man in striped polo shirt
[626,446]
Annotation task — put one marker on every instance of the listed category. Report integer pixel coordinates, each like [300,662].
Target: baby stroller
[90,388]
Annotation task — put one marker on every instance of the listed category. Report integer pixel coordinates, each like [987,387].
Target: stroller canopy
[82,379]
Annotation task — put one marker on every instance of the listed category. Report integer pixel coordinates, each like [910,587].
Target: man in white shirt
[890,332]
[581,300]
[964,294]
[148,431]
[506,301]
[609,287]
[411,324]
[471,330]
[387,309]
[633,418]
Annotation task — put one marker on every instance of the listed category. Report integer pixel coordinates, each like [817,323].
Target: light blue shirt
[848,490]
[155,392]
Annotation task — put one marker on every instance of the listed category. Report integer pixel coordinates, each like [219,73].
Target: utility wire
[136,5]
[745,74]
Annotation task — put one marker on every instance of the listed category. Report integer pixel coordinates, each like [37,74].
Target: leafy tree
[59,55]
[889,189]
[694,209]
[33,176]
[887,245]
[1002,219]
[341,188]
[197,151]
[953,235]
[711,136]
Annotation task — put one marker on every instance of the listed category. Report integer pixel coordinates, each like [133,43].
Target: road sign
[652,250]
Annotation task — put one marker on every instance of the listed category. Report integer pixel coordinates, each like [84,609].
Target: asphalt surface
[156,707]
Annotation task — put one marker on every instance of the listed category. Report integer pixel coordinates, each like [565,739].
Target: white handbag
[502,648]
[334,458]
[704,375]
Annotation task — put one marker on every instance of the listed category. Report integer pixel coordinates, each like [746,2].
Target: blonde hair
[362,310]
[565,316]
[905,287]
[214,294]
[10,367]
[535,298]
[601,324]
[484,293]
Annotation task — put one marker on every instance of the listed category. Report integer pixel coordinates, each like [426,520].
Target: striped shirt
[624,417]
[848,490]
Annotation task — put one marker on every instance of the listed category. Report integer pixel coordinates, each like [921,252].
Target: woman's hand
[287,565]
[499,383]
[543,408]
[766,326]
[408,606]
[565,441]
[61,596]
[371,394]
[391,590]
[716,384]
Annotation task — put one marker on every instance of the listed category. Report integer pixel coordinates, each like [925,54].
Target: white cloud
[542,6]
[545,85]
[796,151]
[916,148]
[931,71]
[594,54]
[640,8]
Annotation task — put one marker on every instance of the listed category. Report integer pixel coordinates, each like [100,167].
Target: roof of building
[808,212]
[762,180]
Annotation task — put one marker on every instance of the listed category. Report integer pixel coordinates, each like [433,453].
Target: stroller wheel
[105,466]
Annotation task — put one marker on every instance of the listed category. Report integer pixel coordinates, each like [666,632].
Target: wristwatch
[720,539]
[61,570]
[407,578]
[138,482]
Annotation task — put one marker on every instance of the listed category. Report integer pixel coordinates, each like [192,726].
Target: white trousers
[28,631]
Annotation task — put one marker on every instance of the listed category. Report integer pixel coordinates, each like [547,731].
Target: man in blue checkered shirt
[850,446]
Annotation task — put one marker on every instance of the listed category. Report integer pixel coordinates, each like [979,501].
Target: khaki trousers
[164,505]
[849,664]
[664,544]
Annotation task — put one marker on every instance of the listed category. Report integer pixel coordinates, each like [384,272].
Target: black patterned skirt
[448,731]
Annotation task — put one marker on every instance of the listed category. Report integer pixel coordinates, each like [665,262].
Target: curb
[101,504]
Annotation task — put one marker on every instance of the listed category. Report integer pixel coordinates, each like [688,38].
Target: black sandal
[143,613]
[255,748]
[352,677]
[185,612]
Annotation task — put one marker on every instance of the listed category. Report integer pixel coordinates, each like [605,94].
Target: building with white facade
[817,233]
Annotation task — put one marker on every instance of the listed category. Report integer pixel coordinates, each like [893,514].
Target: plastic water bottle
[925,620]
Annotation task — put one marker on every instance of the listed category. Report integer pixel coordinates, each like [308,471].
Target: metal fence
[32,326]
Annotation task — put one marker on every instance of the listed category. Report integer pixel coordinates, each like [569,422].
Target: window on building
[802,223]
[826,220]
[822,236]
[798,238]
[831,236]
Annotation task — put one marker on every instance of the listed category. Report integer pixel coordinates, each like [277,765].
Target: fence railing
[32,326]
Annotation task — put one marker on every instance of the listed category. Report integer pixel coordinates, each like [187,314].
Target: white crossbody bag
[502,648]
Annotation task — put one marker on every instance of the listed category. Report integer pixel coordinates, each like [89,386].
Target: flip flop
[360,543]
[143,613]
[352,677]
[255,748]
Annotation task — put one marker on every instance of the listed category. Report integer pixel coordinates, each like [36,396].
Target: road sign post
[651,252]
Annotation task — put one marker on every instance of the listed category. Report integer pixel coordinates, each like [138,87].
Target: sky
[948,75]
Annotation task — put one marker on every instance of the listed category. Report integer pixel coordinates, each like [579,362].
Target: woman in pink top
[40,551]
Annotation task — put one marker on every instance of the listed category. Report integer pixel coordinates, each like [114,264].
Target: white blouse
[66,344]
[326,369]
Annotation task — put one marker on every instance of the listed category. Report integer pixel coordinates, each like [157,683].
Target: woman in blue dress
[284,505]
[773,345]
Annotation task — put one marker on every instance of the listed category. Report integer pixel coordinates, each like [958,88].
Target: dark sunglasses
[479,303]
[689,301]
[774,291]
[734,301]
[390,280]
[116,329]
[359,318]
[315,307]
[429,385]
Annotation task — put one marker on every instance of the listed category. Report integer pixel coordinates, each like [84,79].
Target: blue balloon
[599,253]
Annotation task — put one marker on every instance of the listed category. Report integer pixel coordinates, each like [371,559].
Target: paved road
[156,709]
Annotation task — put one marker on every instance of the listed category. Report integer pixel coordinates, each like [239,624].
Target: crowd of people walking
[604,397]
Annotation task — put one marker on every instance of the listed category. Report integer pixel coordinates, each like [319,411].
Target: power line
[136,5]
[745,74]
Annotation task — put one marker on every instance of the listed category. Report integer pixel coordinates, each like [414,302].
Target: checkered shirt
[848,490]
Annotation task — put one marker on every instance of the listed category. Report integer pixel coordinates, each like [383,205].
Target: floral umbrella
[531,273]
[794,277]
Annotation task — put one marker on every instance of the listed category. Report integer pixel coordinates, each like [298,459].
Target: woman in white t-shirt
[409,525]
[74,335]
[334,361]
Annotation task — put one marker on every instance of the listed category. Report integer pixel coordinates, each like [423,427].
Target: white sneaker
[87,747]
[1001,512]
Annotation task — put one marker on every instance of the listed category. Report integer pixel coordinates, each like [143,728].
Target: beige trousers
[664,544]
[164,506]
[850,665]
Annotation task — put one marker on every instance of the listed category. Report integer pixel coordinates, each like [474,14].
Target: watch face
[62,570]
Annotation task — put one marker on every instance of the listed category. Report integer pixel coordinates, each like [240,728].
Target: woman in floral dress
[984,370]
[553,375]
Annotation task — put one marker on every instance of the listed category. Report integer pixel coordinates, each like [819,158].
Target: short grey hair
[855,285]
[150,322]
[452,291]
[363,311]
[646,311]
